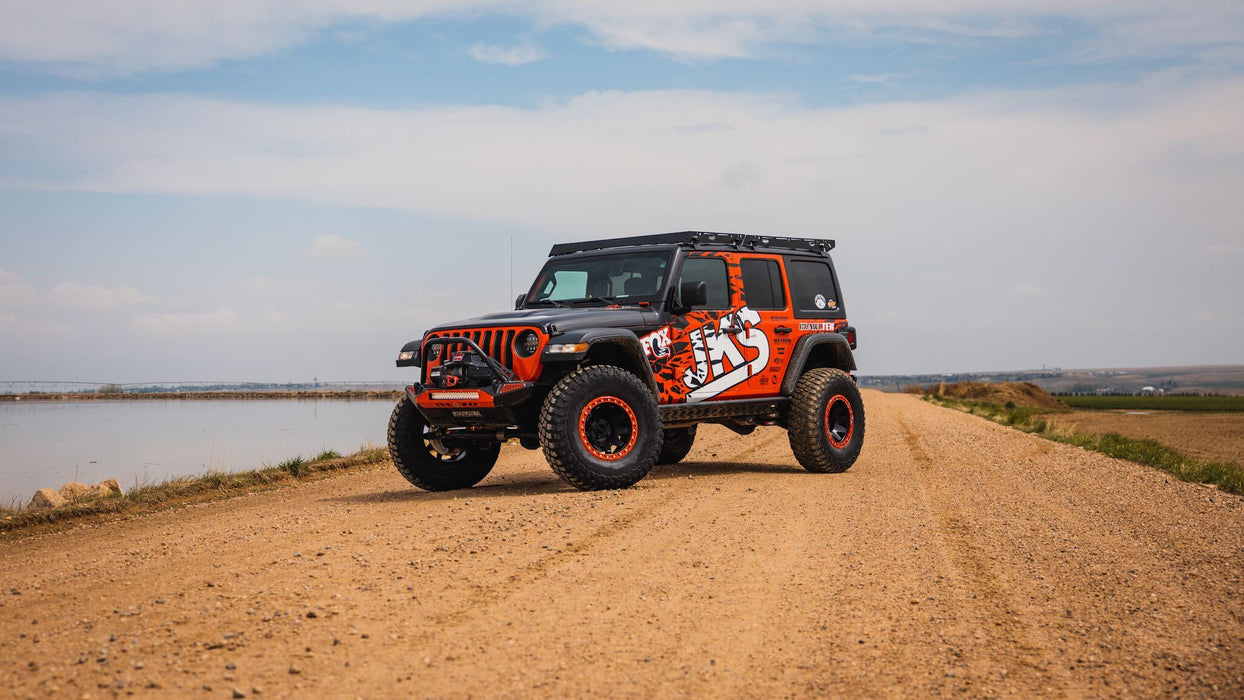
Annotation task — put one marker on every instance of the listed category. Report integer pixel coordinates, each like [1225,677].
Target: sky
[258,190]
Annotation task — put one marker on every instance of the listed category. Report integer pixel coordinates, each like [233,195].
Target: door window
[762,284]
[711,271]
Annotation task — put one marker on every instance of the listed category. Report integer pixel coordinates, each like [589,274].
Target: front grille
[498,343]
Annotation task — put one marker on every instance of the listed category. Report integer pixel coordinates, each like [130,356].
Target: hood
[564,319]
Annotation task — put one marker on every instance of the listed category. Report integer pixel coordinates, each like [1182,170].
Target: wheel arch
[610,346]
[818,350]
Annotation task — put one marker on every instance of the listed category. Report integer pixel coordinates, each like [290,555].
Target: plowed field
[956,557]
[1217,437]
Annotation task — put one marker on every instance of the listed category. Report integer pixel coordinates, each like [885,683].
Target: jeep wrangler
[622,347]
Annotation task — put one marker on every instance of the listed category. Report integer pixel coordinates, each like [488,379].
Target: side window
[812,284]
[762,284]
[713,272]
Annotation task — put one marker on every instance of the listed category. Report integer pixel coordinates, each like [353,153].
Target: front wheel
[433,464]
[600,428]
[826,423]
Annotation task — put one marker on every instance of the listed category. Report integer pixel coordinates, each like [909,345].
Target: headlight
[405,355]
[526,344]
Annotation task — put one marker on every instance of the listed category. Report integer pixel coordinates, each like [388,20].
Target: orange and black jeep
[623,346]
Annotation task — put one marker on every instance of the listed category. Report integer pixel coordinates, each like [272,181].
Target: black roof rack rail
[701,239]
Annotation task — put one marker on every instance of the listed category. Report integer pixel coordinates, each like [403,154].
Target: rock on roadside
[47,498]
[74,492]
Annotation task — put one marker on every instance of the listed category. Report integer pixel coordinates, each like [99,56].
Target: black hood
[564,319]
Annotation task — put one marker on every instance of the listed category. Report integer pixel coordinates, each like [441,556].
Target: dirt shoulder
[957,556]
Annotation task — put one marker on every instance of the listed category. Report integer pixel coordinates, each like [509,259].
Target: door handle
[783,330]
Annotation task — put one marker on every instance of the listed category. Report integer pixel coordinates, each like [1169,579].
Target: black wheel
[431,464]
[600,428]
[676,445]
[826,422]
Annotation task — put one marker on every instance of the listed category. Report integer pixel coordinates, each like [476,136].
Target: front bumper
[490,407]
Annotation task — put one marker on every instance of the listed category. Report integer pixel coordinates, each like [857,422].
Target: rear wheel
[676,444]
[826,423]
[433,464]
[600,428]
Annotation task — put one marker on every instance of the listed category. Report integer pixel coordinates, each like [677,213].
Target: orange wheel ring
[600,431]
[839,421]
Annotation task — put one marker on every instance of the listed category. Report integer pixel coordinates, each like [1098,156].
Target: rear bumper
[477,407]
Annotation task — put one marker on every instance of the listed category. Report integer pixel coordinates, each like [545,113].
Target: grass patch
[1226,477]
[1219,404]
[206,487]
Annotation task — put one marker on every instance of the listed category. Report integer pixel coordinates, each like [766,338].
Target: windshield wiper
[592,298]
[550,302]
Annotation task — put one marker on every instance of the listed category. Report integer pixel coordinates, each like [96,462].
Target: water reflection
[49,443]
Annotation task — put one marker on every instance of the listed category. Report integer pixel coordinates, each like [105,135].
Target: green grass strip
[1227,477]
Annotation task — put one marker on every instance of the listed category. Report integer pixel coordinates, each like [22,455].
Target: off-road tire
[826,421]
[600,428]
[676,445]
[424,466]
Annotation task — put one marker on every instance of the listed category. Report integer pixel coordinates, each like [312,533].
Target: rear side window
[762,284]
[812,284]
[711,271]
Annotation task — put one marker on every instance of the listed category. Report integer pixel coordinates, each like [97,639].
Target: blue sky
[253,191]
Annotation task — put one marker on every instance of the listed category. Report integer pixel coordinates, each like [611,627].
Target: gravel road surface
[956,557]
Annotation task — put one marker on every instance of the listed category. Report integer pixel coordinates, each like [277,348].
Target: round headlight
[526,344]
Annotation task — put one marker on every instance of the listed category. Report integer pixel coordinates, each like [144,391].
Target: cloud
[97,39]
[1027,290]
[221,320]
[877,78]
[86,297]
[507,55]
[1072,189]
[15,292]
[18,327]
[561,166]
[333,247]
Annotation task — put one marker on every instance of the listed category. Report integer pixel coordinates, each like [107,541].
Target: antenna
[510,299]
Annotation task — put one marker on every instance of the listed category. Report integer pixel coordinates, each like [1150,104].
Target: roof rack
[701,239]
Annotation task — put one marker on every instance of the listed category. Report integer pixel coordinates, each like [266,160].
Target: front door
[725,349]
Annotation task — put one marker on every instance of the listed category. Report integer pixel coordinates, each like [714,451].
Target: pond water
[49,443]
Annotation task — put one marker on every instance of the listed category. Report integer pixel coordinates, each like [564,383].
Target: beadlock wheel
[608,428]
[826,421]
[600,428]
[433,464]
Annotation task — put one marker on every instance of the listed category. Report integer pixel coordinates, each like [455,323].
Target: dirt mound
[1020,393]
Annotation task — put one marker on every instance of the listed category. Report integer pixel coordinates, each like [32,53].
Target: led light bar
[455,396]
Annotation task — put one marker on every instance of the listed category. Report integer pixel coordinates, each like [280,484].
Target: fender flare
[838,345]
[625,340]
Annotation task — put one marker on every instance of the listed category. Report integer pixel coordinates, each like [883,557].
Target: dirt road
[957,556]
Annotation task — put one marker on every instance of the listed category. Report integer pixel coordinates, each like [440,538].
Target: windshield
[609,279]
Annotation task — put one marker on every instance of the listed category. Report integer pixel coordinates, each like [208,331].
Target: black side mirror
[518,303]
[691,295]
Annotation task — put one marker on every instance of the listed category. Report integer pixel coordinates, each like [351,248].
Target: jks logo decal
[724,352]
